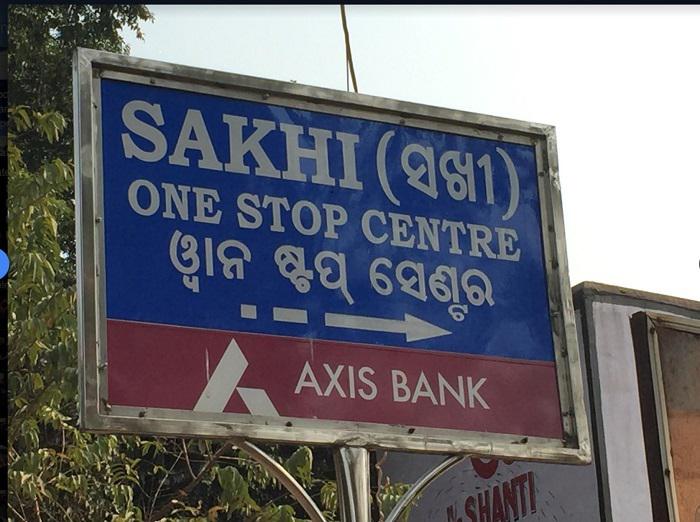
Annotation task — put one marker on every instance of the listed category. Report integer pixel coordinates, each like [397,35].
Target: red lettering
[452,514]
[499,503]
[497,511]
[469,506]
[520,483]
[531,487]
[484,507]
[510,500]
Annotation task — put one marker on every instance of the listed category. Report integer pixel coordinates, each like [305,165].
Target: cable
[348,52]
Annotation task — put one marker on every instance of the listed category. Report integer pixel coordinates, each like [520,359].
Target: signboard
[490,490]
[667,350]
[615,352]
[289,263]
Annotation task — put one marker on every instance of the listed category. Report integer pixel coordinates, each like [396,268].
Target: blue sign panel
[247,216]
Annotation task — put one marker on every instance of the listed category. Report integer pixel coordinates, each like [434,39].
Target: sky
[620,84]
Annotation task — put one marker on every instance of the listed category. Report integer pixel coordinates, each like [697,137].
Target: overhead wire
[349,66]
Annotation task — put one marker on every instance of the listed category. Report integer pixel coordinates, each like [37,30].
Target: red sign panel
[159,366]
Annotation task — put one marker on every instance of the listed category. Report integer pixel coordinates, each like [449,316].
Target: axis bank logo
[500,501]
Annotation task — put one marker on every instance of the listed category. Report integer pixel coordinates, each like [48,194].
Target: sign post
[286,263]
[352,479]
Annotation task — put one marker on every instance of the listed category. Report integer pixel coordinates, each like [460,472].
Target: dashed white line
[249,311]
[290,315]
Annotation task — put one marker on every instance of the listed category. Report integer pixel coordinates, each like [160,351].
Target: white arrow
[221,385]
[414,328]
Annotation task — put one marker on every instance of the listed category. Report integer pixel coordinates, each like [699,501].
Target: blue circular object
[4,264]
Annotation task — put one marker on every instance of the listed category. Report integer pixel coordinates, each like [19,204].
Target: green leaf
[37,381]
[299,464]
[329,496]
[234,490]
[389,496]
[277,514]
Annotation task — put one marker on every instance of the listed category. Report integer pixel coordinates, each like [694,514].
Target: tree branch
[182,493]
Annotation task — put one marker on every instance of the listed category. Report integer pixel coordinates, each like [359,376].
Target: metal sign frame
[98,415]
[655,421]
[587,297]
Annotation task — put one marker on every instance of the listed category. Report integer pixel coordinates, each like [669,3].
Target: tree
[57,472]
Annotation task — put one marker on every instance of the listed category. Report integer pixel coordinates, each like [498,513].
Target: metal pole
[352,476]
[420,484]
[285,478]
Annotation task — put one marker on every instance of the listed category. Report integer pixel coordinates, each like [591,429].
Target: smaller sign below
[667,355]
[486,490]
